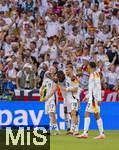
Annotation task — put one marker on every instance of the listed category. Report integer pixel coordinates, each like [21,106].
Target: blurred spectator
[41,72]
[101,56]
[1,83]
[52,49]
[11,74]
[6,88]
[26,78]
[36,33]
[113,54]
[112,78]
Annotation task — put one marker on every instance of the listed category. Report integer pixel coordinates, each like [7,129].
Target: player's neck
[71,75]
[93,70]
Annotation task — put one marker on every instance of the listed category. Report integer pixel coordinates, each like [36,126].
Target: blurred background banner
[17,110]
[33,95]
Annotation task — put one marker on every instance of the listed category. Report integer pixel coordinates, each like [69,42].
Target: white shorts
[71,105]
[91,109]
[50,106]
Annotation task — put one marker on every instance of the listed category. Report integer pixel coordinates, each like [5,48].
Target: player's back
[63,85]
[94,86]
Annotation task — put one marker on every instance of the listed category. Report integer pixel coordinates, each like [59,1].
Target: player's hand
[63,89]
[46,98]
[84,99]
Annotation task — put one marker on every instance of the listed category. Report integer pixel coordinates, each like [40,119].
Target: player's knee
[73,113]
[53,118]
[87,114]
[97,116]
[52,115]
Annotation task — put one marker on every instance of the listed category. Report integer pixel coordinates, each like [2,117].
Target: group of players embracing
[70,88]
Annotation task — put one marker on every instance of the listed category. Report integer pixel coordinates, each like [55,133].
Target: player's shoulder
[74,79]
[95,75]
[50,78]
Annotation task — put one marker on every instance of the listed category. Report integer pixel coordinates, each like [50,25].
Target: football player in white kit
[93,106]
[50,84]
[62,83]
[71,93]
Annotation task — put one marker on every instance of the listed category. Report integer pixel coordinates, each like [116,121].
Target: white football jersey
[72,84]
[94,87]
[49,85]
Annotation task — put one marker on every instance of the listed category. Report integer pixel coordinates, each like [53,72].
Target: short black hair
[92,65]
[69,63]
[74,29]
[33,42]
[61,76]
[68,5]
[1,12]
[55,63]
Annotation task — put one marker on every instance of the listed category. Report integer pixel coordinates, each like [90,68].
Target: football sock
[56,127]
[51,126]
[86,124]
[72,126]
[76,128]
[67,120]
[100,126]
[78,121]
[77,125]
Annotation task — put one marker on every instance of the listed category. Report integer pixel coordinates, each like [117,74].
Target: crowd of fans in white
[35,34]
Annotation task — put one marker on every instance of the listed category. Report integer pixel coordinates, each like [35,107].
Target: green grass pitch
[66,142]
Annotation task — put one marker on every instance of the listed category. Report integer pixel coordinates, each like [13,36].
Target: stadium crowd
[35,34]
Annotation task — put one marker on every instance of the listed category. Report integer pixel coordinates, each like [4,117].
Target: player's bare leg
[86,126]
[100,126]
[74,117]
[67,119]
[76,132]
[70,132]
[53,122]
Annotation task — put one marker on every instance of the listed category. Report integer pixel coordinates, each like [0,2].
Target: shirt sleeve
[19,74]
[90,87]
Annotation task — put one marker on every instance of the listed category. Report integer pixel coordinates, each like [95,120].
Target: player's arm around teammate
[49,98]
[74,105]
[72,86]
